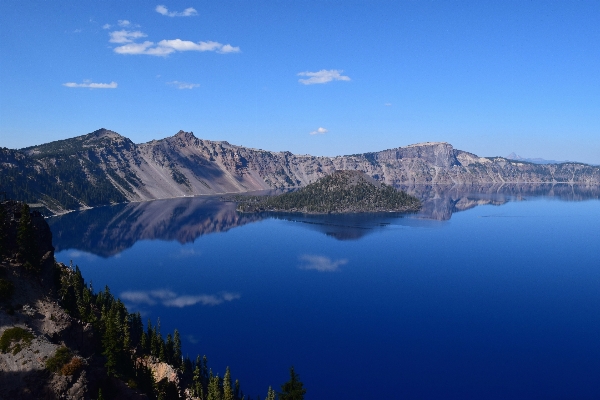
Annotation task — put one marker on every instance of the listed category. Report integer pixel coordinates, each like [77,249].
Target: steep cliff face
[104,167]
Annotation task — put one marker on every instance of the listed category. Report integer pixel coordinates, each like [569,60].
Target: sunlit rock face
[63,174]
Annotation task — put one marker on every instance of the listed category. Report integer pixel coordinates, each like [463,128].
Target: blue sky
[487,77]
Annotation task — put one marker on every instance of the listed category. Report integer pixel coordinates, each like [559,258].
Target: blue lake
[493,293]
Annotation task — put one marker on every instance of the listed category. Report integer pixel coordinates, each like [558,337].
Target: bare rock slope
[104,167]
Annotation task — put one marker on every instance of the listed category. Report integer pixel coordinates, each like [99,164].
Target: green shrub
[15,335]
[59,359]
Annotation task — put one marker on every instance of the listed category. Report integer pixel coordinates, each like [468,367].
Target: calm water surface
[499,300]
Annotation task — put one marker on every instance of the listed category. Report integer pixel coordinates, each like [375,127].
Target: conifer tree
[176,349]
[197,379]
[270,394]
[162,354]
[144,343]
[26,240]
[214,388]
[236,389]
[169,349]
[205,373]
[110,344]
[227,390]
[126,334]
[292,389]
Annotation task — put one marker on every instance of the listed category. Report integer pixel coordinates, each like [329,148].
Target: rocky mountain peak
[185,135]
[103,132]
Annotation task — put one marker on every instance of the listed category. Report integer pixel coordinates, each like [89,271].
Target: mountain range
[536,160]
[104,167]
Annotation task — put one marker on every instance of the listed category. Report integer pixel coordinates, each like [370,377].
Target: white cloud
[184,85]
[165,47]
[320,131]
[228,49]
[186,45]
[91,85]
[123,22]
[323,76]
[124,36]
[169,298]
[388,104]
[106,26]
[77,31]
[321,263]
[188,12]
[138,297]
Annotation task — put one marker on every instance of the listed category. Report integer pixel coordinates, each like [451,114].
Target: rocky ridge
[104,167]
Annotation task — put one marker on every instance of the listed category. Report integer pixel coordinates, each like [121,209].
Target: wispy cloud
[184,85]
[106,26]
[320,131]
[125,36]
[169,298]
[388,104]
[321,263]
[227,48]
[322,76]
[91,85]
[192,339]
[166,47]
[188,12]
[123,22]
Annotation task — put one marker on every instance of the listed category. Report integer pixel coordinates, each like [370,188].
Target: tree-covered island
[340,192]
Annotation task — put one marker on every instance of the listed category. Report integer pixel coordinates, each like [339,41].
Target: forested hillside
[60,338]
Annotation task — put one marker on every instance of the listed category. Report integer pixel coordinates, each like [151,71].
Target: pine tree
[26,240]
[292,389]
[110,344]
[126,334]
[176,349]
[197,379]
[270,394]
[214,388]
[227,390]
[205,368]
[236,390]
[169,349]
[144,343]
[162,352]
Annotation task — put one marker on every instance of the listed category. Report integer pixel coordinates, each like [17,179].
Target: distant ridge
[513,156]
[104,167]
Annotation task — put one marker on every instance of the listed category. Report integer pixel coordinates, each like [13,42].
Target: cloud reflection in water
[321,263]
[168,298]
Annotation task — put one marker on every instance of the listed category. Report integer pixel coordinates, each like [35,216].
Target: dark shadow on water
[107,231]
[342,227]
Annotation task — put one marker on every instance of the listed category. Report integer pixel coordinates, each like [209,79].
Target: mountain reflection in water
[107,231]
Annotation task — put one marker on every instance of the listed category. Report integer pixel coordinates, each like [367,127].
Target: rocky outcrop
[32,308]
[104,167]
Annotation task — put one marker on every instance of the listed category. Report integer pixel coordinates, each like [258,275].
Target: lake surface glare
[500,300]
